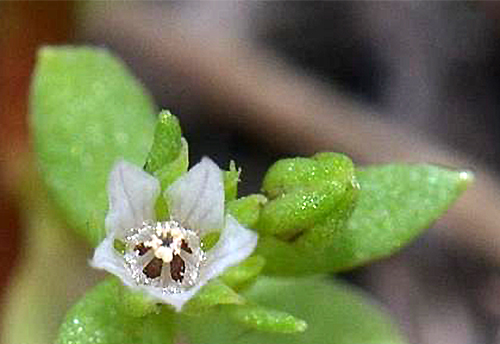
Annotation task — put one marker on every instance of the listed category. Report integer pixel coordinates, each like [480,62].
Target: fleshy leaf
[231,180]
[295,212]
[266,319]
[314,197]
[137,304]
[246,271]
[213,294]
[311,252]
[246,209]
[304,192]
[287,175]
[175,168]
[334,312]
[166,143]
[168,157]
[100,317]
[397,202]
[87,111]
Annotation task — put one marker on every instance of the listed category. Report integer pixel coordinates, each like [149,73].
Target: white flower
[165,258]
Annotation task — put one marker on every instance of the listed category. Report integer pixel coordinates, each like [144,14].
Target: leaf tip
[465,178]
[165,116]
[300,325]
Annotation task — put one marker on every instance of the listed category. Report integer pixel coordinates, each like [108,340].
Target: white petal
[197,198]
[106,258]
[132,194]
[235,244]
[177,300]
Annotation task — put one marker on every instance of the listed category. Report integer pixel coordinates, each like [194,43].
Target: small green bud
[247,209]
[231,180]
[311,199]
[287,175]
[168,156]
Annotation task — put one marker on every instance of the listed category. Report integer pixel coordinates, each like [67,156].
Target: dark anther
[177,268]
[142,249]
[153,269]
[185,247]
[168,240]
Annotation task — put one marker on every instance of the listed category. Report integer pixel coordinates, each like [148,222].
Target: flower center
[164,254]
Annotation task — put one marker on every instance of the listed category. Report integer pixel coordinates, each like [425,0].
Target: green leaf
[240,275]
[231,180]
[166,143]
[292,213]
[314,197]
[168,157]
[177,167]
[397,202]
[100,317]
[335,313]
[136,304]
[305,192]
[287,175]
[212,294]
[312,251]
[266,319]
[87,112]
[246,209]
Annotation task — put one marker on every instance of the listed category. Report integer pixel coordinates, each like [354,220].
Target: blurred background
[413,81]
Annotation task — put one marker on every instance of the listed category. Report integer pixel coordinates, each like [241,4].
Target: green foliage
[231,180]
[314,199]
[136,304]
[223,291]
[247,271]
[102,317]
[266,320]
[397,202]
[166,143]
[174,169]
[247,209]
[87,112]
[288,175]
[305,192]
[214,293]
[316,215]
[168,158]
[334,312]
[293,213]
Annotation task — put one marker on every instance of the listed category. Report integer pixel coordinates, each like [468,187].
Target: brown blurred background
[414,81]
[23,26]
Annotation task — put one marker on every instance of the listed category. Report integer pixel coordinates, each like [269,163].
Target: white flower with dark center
[166,259]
